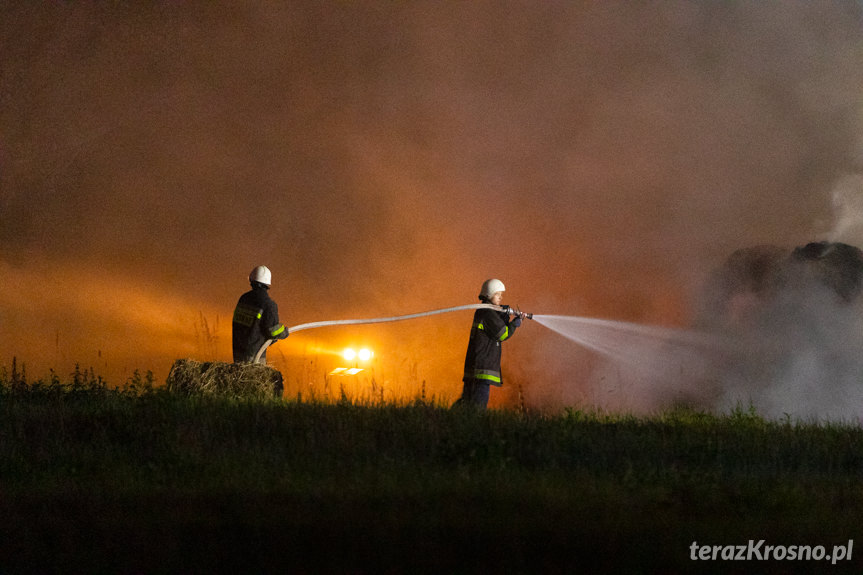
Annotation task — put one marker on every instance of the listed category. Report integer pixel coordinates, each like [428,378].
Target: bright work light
[351,354]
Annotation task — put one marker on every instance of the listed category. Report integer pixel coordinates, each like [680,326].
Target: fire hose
[317,324]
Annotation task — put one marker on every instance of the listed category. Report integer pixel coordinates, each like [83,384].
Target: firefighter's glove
[516,322]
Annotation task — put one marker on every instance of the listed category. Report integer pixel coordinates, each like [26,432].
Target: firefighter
[482,361]
[256,321]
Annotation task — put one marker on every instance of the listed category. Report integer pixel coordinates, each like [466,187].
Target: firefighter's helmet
[261,275]
[491,287]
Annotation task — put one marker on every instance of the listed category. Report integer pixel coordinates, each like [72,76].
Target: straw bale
[242,380]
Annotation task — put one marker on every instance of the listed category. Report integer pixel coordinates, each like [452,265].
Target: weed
[398,487]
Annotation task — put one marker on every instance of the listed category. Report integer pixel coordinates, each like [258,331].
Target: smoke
[812,366]
[793,322]
[779,331]
[847,196]
[797,340]
[600,158]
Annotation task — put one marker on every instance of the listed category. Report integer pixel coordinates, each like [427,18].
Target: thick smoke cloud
[601,159]
[793,325]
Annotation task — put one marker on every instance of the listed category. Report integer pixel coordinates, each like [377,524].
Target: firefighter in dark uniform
[482,361]
[256,321]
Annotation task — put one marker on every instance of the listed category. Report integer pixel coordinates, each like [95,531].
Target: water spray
[652,353]
[317,324]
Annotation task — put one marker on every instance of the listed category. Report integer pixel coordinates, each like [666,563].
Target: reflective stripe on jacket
[256,319]
[482,361]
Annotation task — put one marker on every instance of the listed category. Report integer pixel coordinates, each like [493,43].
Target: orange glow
[135,198]
[114,325]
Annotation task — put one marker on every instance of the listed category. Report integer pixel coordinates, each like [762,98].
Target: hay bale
[764,272]
[836,265]
[241,380]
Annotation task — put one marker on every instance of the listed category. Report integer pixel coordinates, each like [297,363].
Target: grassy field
[138,480]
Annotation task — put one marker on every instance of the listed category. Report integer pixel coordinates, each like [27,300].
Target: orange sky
[385,159]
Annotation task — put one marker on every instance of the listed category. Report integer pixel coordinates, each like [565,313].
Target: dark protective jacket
[256,319]
[482,361]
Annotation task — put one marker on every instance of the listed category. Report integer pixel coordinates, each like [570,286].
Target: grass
[142,480]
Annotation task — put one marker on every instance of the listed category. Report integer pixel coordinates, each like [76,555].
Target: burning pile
[753,277]
[794,321]
[236,380]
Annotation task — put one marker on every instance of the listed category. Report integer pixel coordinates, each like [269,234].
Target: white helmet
[491,287]
[262,275]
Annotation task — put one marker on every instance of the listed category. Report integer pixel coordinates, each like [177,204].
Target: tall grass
[137,479]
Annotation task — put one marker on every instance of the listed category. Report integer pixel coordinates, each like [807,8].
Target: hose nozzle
[516,311]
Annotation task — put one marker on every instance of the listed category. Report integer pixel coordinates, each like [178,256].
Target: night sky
[601,158]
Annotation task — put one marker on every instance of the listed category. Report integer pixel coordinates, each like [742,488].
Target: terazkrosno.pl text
[760,551]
